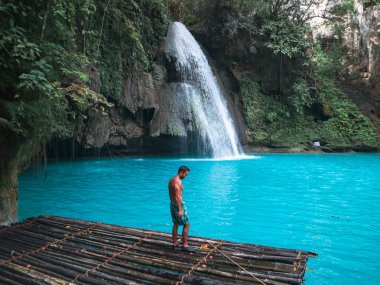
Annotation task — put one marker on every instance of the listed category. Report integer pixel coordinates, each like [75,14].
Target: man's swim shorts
[184,220]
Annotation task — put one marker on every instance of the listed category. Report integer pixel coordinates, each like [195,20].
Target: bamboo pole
[144,274]
[60,248]
[32,276]
[63,273]
[16,277]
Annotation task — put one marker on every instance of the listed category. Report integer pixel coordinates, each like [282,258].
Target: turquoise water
[327,204]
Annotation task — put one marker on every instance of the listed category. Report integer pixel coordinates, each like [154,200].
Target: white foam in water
[226,158]
[210,107]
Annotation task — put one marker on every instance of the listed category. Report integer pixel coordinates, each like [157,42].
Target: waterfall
[200,86]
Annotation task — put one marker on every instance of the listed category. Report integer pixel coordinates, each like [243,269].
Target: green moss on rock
[271,121]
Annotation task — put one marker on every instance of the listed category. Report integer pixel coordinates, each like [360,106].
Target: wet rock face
[362,37]
[138,93]
[156,111]
[97,131]
[114,130]
[94,75]
[373,18]
[175,116]
[129,119]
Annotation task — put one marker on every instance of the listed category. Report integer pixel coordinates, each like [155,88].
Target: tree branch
[45,17]
[101,28]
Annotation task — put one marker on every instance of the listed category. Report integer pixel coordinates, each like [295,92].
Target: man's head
[183,171]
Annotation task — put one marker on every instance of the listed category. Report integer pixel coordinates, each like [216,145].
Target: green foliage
[33,80]
[25,115]
[328,64]
[251,95]
[348,126]
[82,99]
[300,97]
[236,23]
[71,66]
[286,37]
[262,113]
[18,46]
[271,121]
[126,41]
[24,110]
[225,20]
[338,29]
[344,7]
[308,105]
[370,3]
[46,48]
[34,64]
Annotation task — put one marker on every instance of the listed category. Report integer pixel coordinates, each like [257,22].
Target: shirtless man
[178,208]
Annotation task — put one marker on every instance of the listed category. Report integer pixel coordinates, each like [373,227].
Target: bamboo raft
[56,250]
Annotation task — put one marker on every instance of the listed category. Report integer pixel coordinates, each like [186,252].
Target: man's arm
[178,198]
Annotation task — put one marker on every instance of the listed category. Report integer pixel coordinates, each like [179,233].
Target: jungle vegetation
[49,50]
[289,81]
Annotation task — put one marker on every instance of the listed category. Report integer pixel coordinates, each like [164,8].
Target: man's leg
[174,234]
[185,232]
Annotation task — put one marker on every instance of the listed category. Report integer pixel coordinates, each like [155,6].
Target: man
[178,209]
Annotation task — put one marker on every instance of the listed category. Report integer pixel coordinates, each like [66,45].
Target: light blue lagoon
[327,204]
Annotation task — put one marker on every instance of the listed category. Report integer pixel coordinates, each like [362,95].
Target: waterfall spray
[200,85]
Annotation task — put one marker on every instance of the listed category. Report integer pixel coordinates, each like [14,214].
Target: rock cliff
[362,40]
[145,120]
[153,114]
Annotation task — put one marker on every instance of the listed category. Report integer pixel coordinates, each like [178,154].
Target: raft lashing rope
[60,251]
[108,259]
[54,242]
[202,261]
[20,225]
[215,248]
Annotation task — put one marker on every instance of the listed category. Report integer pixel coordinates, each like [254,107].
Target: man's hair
[183,168]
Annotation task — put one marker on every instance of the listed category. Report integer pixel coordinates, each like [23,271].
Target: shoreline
[249,150]
[312,150]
